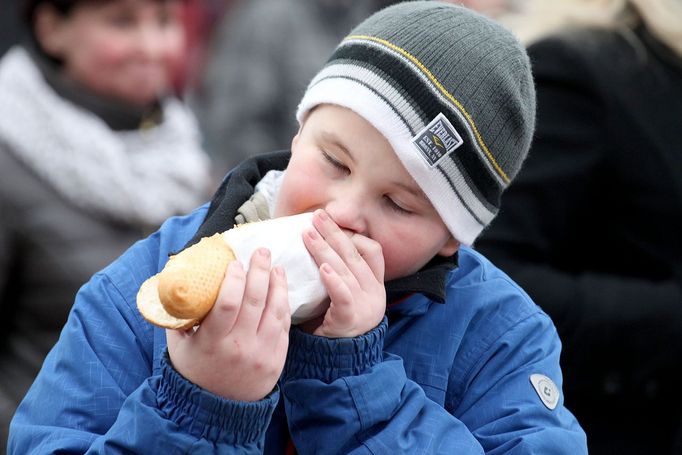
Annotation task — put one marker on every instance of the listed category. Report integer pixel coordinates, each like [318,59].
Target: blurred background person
[495,9]
[252,81]
[199,20]
[94,153]
[11,30]
[592,226]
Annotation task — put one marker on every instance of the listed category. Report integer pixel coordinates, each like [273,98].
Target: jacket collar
[239,185]
[429,281]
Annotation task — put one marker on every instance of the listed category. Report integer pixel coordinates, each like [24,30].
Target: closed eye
[335,163]
[393,205]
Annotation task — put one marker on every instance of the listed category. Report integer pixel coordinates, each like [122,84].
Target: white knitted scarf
[261,205]
[140,176]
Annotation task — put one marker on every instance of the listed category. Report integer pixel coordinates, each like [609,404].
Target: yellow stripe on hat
[433,79]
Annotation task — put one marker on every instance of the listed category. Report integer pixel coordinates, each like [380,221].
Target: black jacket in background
[591,229]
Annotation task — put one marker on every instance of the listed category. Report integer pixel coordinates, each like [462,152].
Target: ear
[450,247]
[50,30]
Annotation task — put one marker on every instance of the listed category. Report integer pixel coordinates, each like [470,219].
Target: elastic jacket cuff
[327,359]
[206,415]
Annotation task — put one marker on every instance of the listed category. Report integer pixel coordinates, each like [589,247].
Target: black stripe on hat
[379,73]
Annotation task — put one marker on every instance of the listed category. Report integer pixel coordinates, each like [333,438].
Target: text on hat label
[437,140]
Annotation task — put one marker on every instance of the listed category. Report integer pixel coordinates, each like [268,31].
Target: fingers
[247,330]
[276,315]
[372,253]
[342,250]
[255,292]
[339,293]
[242,298]
[224,314]
[358,260]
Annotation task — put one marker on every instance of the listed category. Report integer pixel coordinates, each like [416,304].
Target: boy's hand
[352,271]
[239,349]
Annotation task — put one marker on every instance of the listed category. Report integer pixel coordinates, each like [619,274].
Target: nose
[349,212]
[150,42]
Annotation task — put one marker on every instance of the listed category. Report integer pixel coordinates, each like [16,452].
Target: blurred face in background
[122,49]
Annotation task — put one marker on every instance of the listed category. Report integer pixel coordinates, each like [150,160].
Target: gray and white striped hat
[451,90]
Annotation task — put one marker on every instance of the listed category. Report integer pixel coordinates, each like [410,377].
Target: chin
[143,91]
[140,99]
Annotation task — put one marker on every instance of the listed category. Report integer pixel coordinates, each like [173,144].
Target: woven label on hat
[437,139]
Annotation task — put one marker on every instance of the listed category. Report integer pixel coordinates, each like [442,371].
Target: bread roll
[190,281]
[185,290]
[181,295]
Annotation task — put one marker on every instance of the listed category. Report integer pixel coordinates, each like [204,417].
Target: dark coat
[592,229]
[48,249]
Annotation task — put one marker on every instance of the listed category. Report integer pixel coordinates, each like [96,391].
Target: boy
[408,135]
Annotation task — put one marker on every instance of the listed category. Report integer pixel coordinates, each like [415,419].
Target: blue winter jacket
[452,378]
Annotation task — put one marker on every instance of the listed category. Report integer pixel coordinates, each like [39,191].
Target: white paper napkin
[282,236]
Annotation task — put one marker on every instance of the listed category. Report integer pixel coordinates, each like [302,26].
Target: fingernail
[312,233]
[279,271]
[235,265]
[264,252]
[323,215]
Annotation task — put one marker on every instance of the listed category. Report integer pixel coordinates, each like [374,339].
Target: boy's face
[123,49]
[342,164]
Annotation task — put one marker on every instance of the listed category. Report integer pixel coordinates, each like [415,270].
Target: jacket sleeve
[98,392]
[349,389]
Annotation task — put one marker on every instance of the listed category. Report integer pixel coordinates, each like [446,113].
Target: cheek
[175,45]
[401,261]
[301,191]
[100,56]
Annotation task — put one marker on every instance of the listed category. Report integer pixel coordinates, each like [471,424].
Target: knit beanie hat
[452,92]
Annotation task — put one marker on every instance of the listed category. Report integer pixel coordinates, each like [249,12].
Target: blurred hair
[64,7]
[538,18]
[30,8]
